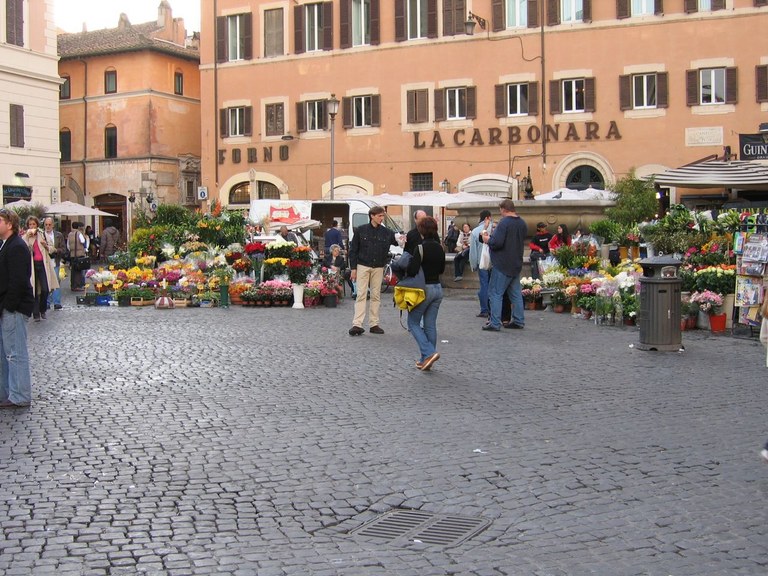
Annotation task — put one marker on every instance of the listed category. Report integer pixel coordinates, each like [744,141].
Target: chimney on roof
[123,23]
[164,13]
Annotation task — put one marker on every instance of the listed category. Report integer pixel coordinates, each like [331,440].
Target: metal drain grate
[425,527]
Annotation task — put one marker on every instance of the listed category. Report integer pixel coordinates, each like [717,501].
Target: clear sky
[97,14]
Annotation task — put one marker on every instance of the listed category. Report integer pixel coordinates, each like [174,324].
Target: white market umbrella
[716,174]
[68,208]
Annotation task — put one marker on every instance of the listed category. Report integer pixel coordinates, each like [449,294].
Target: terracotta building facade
[129,129]
[29,84]
[578,91]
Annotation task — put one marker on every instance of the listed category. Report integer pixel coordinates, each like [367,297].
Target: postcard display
[751,247]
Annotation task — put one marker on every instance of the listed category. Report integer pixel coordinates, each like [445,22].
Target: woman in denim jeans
[422,320]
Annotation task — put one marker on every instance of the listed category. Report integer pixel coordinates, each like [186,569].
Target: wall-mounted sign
[753,146]
[17,192]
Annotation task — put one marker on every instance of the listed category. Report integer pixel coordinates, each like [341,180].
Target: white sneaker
[764,454]
[458,278]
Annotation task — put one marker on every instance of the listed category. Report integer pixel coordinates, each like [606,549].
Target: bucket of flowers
[312,293]
[711,304]
[559,300]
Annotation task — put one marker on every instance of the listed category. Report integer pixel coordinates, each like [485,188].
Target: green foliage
[25,212]
[150,241]
[606,229]
[135,292]
[121,259]
[586,302]
[635,200]
[174,215]
[687,279]
[567,257]
[676,232]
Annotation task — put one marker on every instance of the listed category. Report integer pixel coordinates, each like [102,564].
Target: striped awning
[736,174]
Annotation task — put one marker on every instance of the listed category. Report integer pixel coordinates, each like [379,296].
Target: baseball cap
[485,214]
[541,225]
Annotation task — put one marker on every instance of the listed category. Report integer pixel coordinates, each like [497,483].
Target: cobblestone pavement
[254,441]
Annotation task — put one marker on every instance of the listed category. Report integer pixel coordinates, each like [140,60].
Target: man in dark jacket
[368,252]
[506,245]
[16,302]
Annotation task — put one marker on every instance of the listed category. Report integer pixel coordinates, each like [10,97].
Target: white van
[349,213]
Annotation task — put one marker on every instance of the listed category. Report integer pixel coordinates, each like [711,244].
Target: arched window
[240,194]
[268,191]
[110,141]
[65,145]
[583,177]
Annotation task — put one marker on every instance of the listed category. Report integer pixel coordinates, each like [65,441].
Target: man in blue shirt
[333,236]
[506,245]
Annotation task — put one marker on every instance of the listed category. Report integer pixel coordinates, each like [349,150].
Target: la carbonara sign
[571,132]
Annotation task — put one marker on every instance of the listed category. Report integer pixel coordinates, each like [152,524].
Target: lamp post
[332,106]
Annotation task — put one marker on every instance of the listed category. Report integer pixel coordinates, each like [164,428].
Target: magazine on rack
[756,248]
[749,291]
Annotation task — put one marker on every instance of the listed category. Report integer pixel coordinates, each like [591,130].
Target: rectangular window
[573,95]
[417,19]
[712,85]
[236,37]
[236,121]
[178,83]
[275,119]
[643,7]
[14,22]
[517,99]
[361,111]
[65,91]
[644,91]
[110,81]
[421,181]
[65,145]
[456,103]
[705,5]
[361,22]
[572,10]
[418,110]
[273,32]
[110,142]
[316,115]
[17,125]
[313,19]
[517,13]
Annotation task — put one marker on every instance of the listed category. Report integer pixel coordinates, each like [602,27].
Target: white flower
[168,250]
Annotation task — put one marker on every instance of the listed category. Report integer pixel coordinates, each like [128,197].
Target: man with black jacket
[16,303]
[368,252]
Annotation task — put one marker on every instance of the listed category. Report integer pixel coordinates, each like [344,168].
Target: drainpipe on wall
[85,129]
[215,99]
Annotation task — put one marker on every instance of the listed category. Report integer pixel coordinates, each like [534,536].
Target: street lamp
[528,185]
[332,105]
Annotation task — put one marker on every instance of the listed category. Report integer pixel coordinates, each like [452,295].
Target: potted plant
[587,304]
[559,300]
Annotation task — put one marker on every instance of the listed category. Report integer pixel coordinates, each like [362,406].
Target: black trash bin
[659,314]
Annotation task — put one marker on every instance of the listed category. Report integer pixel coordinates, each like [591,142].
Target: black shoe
[356,331]
[57,306]
[483,315]
[514,326]
[375,330]
[492,328]
[42,315]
